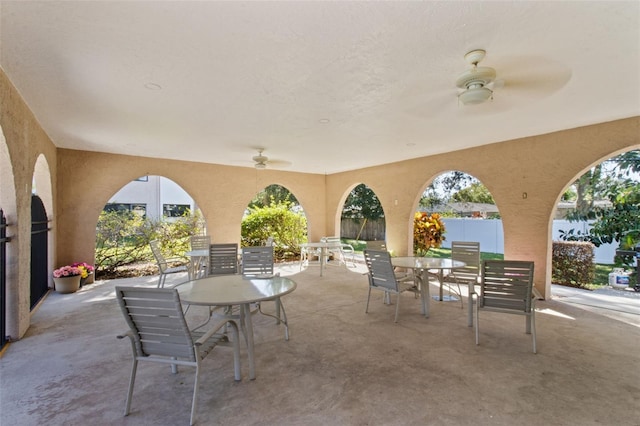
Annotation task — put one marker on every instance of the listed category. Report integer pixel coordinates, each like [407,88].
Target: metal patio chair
[507,287]
[382,277]
[159,333]
[258,262]
[469,253]
[223,259]
[163,264]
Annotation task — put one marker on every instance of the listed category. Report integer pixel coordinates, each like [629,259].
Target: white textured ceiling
[322,86]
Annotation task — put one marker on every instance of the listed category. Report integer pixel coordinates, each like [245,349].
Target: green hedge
[572,263]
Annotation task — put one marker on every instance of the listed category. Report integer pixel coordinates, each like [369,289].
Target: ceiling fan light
[475,95]
[261,166]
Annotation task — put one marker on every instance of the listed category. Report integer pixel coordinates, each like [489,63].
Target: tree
[273,194]
[362,205]
[474,193]
[438,193]
[619,221]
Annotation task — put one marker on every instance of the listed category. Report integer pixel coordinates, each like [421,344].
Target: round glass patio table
[420,264]
[236,290]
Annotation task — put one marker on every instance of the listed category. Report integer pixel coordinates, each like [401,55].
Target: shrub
[277,220]
[572,263]
[122,238]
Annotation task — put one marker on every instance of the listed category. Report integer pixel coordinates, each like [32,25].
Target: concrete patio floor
[341,366]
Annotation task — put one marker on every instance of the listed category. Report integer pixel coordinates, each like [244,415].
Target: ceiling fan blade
[279,164]
[533,77]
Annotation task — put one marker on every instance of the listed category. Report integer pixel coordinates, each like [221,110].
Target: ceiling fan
[474,81]
[522,79]
[261,161]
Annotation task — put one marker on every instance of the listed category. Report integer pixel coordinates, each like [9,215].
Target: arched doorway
[362,217]
[39,251]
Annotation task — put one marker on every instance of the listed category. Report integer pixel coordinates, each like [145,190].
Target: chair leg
[477,322]
[532,320]
[366,310]
[397,306]
[470,303]
[132,379]
[195,392]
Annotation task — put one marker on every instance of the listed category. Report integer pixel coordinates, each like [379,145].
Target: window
[139,209]
[175,210]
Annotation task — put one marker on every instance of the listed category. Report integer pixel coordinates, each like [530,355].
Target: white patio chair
[506,287]
[163,264]
[159,333]
[258,262]
[469,253]
[382,277]
[223,259]
[200,242]
[341,251]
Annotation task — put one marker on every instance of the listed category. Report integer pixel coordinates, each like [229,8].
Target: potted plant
[67,279]
[86,272]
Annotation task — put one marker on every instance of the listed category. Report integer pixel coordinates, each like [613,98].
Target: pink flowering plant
[67,271]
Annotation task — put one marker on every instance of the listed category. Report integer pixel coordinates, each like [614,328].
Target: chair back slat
[381,272]
[469,253]
[507,285]
[223,259]
[156,319]
[200,242]
[257,260]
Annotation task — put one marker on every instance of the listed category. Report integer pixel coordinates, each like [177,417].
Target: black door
[3,279]
[39,250]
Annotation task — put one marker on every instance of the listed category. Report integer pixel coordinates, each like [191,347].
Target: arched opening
[362,221]
[274,215]
[39,285]
[8,252]
[601,206]
[146,209]
[467,211]
[41,186]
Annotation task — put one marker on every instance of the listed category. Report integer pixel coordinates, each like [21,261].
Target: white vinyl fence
[490,234]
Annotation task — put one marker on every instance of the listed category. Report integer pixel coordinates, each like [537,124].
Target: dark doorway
[3,279]
[39,250]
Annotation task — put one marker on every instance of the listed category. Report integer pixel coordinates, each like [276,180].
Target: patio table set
[236,290]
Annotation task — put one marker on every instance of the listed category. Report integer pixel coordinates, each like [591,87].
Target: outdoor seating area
[341,366]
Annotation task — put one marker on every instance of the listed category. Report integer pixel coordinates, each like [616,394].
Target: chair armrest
[128,334]
[216,327]
[176,259]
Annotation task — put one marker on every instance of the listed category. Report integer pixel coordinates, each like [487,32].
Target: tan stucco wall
[541,166]
[221,192]
[24,141]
